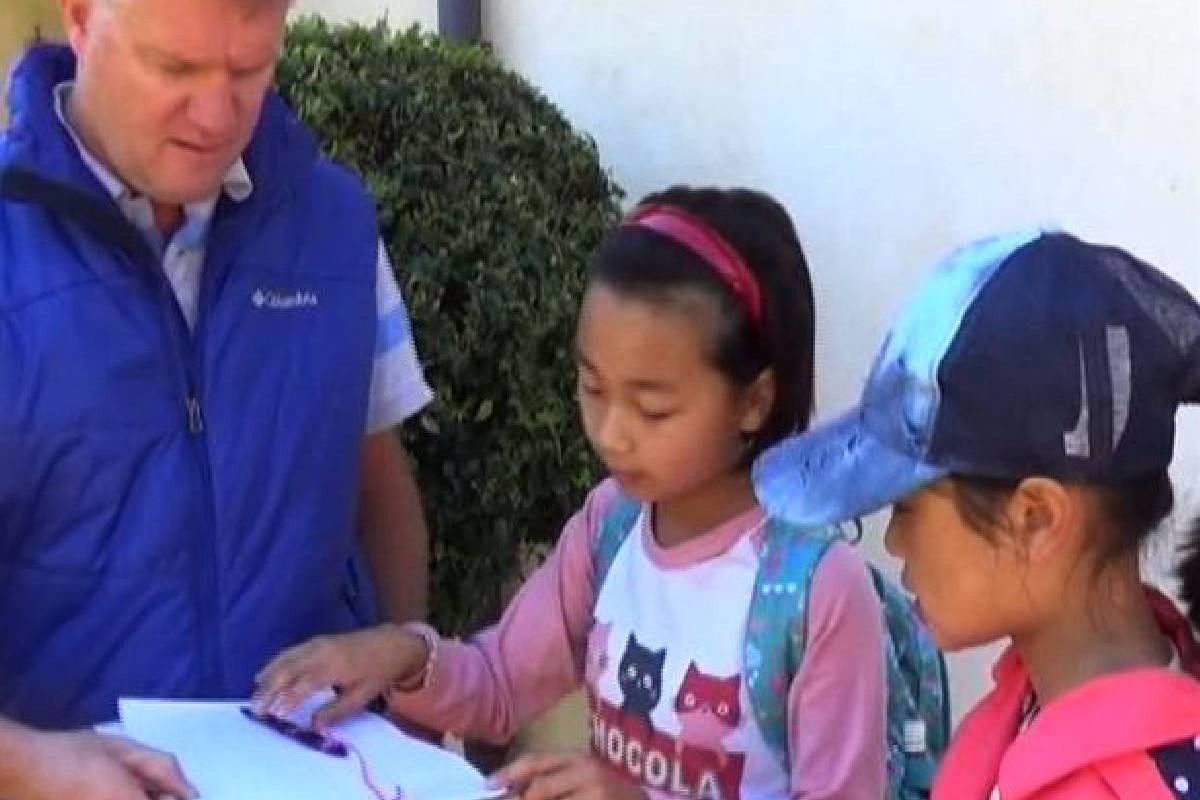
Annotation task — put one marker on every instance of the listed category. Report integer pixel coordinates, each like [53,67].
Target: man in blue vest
[202,355]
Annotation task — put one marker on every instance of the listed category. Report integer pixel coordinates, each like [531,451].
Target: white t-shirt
[673,706]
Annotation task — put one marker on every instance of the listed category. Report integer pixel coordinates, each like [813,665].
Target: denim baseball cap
[1031,353]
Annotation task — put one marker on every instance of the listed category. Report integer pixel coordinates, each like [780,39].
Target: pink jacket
[1128,736]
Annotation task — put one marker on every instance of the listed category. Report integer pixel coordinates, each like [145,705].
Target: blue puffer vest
[174,509]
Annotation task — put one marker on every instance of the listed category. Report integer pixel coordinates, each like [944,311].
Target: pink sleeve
[504,675]
[837,704]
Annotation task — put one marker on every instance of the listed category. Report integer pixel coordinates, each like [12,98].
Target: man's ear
[758,401]
[77,19]
[1043,517]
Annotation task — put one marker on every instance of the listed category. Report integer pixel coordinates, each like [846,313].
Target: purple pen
[307,737]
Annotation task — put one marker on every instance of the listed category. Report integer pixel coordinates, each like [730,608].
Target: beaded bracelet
[431,639]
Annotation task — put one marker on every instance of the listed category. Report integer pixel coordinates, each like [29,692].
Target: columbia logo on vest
[284,300]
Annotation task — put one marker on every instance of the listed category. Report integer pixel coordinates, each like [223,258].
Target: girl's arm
[506,674]
[837,704]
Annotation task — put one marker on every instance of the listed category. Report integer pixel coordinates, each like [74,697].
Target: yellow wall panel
[19,20]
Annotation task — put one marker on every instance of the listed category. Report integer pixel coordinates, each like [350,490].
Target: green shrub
[490,206]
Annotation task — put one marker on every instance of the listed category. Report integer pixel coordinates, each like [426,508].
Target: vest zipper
[185,348]
[195,347]
[195,416]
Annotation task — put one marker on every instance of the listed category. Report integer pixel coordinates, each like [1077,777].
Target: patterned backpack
[918,714]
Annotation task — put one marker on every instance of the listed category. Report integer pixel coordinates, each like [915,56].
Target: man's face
[169,91]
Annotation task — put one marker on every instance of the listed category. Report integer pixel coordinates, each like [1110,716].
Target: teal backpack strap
[776,626]
[918,713]
[616,526]
[918,718]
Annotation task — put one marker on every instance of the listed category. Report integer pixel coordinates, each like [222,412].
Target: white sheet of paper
[228,757]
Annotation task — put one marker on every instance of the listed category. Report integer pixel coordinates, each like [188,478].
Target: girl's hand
[359,666]
[558,776]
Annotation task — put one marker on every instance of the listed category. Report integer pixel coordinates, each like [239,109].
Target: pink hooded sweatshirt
[1131,735]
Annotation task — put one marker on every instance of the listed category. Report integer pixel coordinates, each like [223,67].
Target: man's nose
[213,107]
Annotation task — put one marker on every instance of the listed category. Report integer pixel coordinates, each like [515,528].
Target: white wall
[894,131]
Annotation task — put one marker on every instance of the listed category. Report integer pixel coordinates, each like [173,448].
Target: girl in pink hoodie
[1019,419]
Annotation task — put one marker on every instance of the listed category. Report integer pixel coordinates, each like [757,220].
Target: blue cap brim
[836,473]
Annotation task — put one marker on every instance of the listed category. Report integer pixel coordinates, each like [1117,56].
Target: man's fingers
[163,775]
[158,772]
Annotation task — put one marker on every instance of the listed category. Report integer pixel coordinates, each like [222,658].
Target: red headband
[709,246]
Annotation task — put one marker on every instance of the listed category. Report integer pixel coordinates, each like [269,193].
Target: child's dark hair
[1134,509]
[640,263]
[1189,572]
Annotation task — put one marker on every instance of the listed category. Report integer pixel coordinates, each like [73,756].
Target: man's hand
[559,776]
[82,765]
[359,666]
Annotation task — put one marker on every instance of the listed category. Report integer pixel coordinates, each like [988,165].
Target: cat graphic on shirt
[640,679]
[708,709]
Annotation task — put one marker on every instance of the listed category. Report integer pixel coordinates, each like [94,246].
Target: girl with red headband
[695,353]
